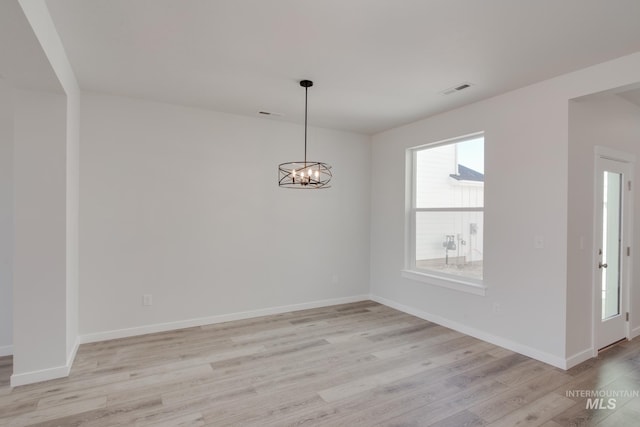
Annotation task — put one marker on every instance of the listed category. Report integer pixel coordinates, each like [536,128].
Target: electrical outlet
[496,308]
[147,299]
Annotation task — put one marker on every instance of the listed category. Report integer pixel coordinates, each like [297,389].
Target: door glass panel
[611,238]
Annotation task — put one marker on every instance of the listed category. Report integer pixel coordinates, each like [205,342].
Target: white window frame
[436,278]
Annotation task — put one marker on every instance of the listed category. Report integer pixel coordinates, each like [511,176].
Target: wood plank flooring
[360,364]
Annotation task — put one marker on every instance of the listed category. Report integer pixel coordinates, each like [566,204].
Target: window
[447,211]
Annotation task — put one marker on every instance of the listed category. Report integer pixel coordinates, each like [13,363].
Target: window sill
[445,282]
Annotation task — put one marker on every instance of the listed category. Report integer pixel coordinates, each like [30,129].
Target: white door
[613,226]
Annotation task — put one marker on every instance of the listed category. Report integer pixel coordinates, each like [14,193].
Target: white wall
[526,168]
[605,120]
[37,13]
[183,204]
[44,29]
[45,112]
[6,220]
[73,222]
[524,196]
[39,292]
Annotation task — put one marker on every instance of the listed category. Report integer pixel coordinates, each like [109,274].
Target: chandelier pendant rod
[306,96]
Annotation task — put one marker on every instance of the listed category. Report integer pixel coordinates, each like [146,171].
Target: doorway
[613,227]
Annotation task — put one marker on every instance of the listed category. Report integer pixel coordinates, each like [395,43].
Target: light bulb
[317,174]
[293,173]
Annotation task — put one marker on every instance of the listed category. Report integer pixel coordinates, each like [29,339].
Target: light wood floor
[359,364]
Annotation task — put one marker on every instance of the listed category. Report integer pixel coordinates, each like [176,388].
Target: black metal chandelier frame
[305,174]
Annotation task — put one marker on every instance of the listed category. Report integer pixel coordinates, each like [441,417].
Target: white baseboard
[38,376]
[63,371]
[635,332]
[72,354]
[542,356]
[188,323]
[578,358]
[6,350]
[46,374]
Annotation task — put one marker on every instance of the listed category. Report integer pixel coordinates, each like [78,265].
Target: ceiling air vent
[458,88]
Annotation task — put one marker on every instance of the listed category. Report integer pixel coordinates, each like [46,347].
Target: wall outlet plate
[496,308]
[538,242]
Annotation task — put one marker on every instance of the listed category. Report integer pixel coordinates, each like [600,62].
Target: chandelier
[305,174]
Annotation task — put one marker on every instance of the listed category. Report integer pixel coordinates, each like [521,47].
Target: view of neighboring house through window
[448,208]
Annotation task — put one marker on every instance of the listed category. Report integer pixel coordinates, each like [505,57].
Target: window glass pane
[611,237]
[450,242]
[450,175]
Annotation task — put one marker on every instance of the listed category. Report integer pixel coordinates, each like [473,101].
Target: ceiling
[632,96]
[376,64]
[23,62]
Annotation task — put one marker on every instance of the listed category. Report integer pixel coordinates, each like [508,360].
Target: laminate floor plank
[461,419]
[406,396]
[624,417]
[52,413]
[276,414]
[6,366]
[528,370]
[319,377]
[116,415]
[50,389]
[539,411]
[443,403]
[582,414]
[365,383]
[518,397]
[360,364]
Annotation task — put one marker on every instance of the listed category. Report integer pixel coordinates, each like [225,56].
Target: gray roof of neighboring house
[467,174]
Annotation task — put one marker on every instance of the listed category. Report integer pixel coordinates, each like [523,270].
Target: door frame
[601,152]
